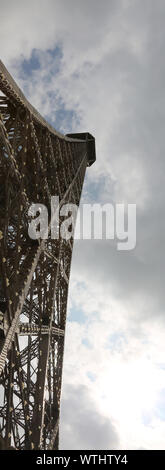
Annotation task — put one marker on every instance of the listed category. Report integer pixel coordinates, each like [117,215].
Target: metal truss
[36,162]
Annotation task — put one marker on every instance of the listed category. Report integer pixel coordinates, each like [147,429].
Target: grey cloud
[112,74]
[82,425]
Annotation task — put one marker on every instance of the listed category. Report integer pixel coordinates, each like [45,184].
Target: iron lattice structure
[36,162]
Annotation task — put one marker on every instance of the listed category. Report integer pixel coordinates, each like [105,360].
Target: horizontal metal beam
[25,329]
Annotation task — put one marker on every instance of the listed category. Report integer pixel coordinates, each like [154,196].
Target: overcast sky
[99,67]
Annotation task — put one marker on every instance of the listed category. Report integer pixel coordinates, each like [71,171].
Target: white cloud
[111,73]
[96,431]
[126,366]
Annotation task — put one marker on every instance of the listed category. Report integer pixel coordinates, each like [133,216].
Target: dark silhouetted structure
[36,162]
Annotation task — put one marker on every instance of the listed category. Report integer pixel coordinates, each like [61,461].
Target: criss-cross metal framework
[36,162]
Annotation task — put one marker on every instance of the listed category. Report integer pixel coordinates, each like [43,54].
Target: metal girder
[36,162]
[25,329]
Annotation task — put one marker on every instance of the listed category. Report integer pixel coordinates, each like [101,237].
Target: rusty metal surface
[36,162]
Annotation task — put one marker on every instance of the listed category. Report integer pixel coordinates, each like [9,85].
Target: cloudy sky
[100,67]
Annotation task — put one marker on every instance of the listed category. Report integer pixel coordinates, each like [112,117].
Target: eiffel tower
[36,162]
